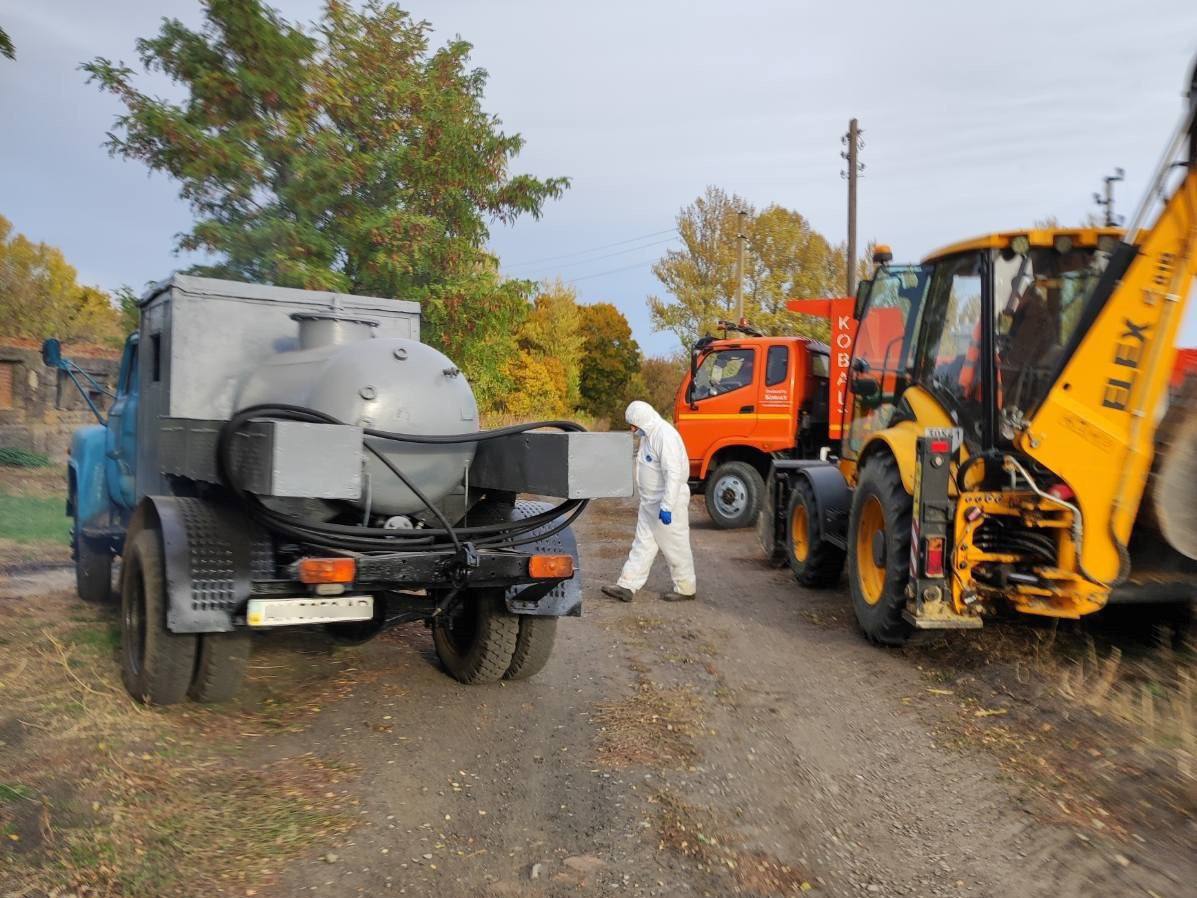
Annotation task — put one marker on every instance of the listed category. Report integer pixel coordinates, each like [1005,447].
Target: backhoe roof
[1043,237]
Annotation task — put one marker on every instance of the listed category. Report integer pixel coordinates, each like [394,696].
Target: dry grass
[697,836]
[654,727]
[101,796]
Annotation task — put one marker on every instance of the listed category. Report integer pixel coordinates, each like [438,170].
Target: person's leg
[644,550]
[674,540]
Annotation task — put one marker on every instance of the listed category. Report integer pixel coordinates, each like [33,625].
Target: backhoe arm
[1097,426]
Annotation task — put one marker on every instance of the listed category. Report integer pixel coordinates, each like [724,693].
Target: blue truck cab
[101,471]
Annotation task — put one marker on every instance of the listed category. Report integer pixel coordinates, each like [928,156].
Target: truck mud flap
[212,554]
[562,598]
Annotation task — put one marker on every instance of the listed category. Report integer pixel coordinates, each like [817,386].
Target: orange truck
[744,403]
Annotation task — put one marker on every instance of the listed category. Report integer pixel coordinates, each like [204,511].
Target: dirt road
[749,743]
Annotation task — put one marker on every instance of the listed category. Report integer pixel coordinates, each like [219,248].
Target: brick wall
[39,406]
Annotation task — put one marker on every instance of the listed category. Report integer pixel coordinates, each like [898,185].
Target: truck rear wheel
[220,666]
[533,646]
[477,644]
[733,495]
[156,664]
[879,551]
[93,569]
[814,561]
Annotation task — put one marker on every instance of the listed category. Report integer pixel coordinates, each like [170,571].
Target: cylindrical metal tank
[391,384]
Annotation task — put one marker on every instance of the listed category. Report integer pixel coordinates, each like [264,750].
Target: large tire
[220,666]
[815,562]
[533,646]
[477,645]
[879,551]
[733,495]
[93,569]
[156,664]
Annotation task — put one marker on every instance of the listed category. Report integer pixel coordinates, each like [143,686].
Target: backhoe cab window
[1038,298]
[723,371]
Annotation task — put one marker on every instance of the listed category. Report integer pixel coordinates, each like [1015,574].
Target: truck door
[723,401]
[777,420]
[120,445]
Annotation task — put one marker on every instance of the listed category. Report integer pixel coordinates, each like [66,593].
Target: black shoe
[619,592]
[679,597]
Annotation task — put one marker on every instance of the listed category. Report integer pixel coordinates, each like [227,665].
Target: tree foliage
[354,158]
[785,258]
[40,296]
[657,381]
[610,361]
[6,48]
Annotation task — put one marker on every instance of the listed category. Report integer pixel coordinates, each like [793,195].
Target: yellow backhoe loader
[1009,440]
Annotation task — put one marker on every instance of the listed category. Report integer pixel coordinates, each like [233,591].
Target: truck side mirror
[862,298]
[865,387]
[52,353]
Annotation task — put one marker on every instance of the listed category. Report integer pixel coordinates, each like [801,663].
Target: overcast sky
[977,117]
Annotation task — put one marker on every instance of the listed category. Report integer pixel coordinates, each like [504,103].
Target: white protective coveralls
[662,468]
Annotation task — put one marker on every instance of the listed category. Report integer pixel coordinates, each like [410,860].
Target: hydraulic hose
[365,539]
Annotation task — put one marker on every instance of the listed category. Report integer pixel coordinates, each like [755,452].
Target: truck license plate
[308,610]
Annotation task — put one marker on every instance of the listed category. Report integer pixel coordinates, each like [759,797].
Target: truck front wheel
[477,643]
[156,664]
[814,561]
[733,495]
[93,568]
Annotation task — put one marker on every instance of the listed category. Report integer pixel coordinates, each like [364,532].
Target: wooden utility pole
[742,238]
[852,139]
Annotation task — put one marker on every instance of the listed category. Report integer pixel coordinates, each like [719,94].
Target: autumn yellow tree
[40,296]
[550,340]
[785,258]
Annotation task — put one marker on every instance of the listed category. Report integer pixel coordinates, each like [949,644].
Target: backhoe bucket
[1170,506]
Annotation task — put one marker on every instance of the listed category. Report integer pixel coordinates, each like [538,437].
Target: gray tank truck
[277,458]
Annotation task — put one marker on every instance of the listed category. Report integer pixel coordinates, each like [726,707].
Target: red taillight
[933,556]
[939,447]
[1061,491]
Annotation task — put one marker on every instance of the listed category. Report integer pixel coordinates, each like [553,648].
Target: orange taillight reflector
[551,567]
[933,565]
[327,570]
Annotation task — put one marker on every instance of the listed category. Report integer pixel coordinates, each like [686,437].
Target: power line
[592,249]
[621,252]
[599,274]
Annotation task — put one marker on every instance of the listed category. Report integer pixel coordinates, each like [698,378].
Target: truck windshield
[1038,299]
[723,371]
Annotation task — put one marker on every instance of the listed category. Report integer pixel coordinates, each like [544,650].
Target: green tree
[657,381]
[353,158]
[785,258]
[40,296]
[610,361]
[6,48]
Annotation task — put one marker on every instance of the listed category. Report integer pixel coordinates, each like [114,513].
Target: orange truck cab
[743,403]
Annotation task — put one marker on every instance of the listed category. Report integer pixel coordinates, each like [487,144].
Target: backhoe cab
[1005,417]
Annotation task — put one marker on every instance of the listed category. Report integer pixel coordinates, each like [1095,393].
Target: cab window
[777,365]
[722,372]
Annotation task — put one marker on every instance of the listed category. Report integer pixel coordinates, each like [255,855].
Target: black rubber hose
[374,539]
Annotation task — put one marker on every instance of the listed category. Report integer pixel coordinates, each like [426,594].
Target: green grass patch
[14,791]
[22,458]
[33,519]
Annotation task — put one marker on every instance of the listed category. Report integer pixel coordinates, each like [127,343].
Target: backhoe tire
[156,664]
[477,644]
[220,666]
[815,562]
[733,495]
[533,646]
[93,569]
[879,551]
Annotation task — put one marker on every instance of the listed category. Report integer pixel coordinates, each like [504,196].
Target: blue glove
[666,517]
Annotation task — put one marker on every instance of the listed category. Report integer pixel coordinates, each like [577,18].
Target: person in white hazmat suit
[663,522]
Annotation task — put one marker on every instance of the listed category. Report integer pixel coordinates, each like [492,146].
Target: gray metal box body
[201,338]
[565,465]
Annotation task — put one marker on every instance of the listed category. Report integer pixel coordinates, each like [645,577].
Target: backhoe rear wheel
[477,643]
[814,561]
[879,551]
